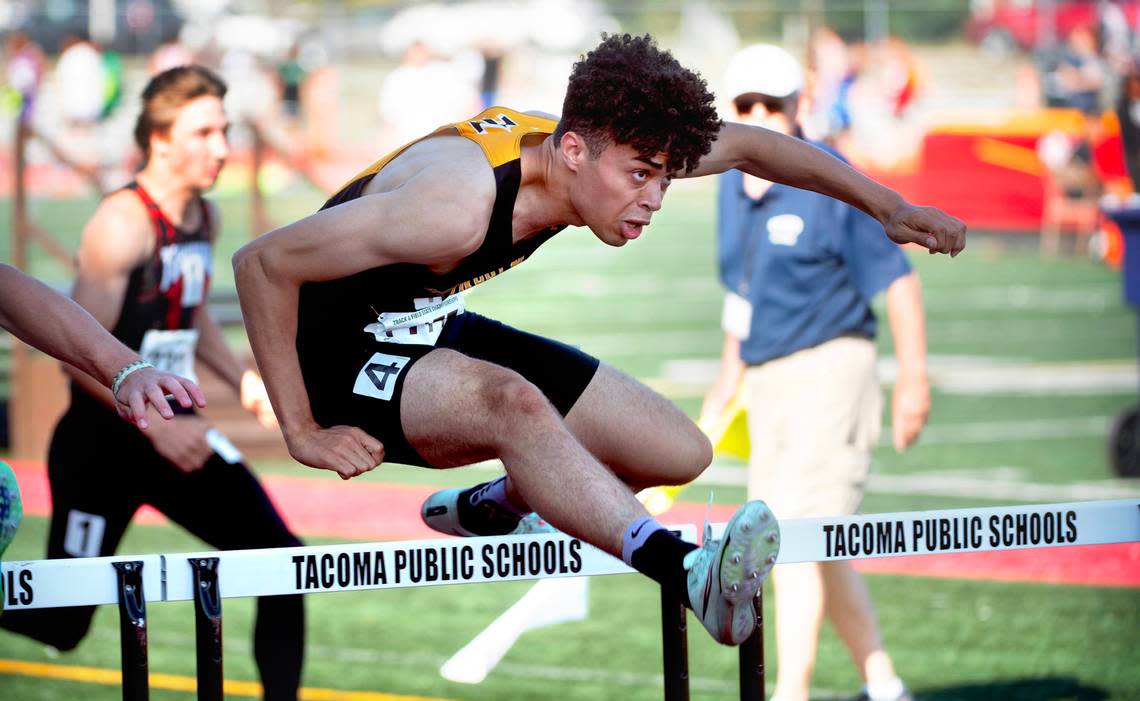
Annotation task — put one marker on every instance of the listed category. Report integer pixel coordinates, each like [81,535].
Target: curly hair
[628,91]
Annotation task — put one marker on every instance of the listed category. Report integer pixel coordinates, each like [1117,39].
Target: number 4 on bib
[378,376]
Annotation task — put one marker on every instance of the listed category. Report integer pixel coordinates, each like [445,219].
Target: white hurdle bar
[208,577]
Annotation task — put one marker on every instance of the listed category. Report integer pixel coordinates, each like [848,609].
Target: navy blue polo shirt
[809,264]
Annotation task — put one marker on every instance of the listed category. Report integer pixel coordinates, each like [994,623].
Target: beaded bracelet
[125,372]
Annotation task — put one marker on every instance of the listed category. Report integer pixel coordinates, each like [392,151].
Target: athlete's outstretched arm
[785,159]
[58,326]
[422,221]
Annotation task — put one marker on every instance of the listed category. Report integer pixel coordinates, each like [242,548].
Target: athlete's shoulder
[499,131]
[505,120]
[119,233]
[456,183]
[122,210]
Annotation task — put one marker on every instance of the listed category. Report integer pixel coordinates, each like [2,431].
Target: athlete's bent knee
[512,396]
[702,446]
[695,457]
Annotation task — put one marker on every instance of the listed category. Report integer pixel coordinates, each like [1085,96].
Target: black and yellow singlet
[357,299]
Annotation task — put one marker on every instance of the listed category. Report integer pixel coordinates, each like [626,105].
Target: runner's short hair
[166,93]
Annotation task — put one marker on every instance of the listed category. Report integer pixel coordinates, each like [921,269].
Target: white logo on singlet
[503,122]
[189,262]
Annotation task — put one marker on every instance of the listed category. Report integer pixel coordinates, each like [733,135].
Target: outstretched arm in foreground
[785,159]
[58,326]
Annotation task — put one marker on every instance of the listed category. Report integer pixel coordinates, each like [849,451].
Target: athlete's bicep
[722,155]
[420,222]
[114,242]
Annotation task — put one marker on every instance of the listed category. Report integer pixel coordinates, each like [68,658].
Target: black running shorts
[353,379]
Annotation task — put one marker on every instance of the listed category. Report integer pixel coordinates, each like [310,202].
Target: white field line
[598,284]
[1003,431]
[953,374]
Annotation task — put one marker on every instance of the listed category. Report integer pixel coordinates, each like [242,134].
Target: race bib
[84,534]
[420,327]
[171,351]
[377,379]
[737,316]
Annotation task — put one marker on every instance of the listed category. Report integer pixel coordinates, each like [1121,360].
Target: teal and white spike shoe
[450,511]
[11,513]
[724,575]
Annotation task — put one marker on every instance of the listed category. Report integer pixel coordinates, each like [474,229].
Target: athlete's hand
[255,399]
[182,441]
[149,386]
[346,450]
[929,227]
[910,407]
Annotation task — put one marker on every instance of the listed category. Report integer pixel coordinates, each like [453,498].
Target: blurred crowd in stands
[438,63]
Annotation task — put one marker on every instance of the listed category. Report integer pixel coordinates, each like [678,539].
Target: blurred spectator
[903,76]
[291,74]
[1078,76]
[171,53]
[1128,112]
[81,77]
[831,75]
[24,73]
[257,98]
[424,89]
[1115,35]
[113,75]
[492,69]
[1072,188]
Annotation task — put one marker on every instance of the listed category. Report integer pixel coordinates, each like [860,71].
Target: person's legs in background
[225,505]
[814,420]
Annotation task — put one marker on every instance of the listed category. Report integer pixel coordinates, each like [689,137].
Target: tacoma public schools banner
[85,581]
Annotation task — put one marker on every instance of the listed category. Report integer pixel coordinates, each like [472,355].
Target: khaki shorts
[813,419]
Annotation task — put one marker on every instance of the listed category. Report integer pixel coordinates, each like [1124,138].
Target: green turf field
[652,309]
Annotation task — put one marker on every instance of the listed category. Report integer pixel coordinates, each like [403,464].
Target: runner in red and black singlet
[166,291]
[144,267]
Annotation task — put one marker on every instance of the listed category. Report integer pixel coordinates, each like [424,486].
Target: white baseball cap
[765,69]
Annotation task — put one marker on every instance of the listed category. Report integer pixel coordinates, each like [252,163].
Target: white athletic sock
[885,691]
[635,536]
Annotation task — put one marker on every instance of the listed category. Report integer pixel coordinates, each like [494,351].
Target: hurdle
[209,577]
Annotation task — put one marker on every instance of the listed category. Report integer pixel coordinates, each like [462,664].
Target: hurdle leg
[674,647]
[208,627]
[132,631]
[752,657]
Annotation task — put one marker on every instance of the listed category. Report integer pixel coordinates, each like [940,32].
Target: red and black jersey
[164,292]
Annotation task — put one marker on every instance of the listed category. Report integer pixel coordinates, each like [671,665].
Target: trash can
[1124,438]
